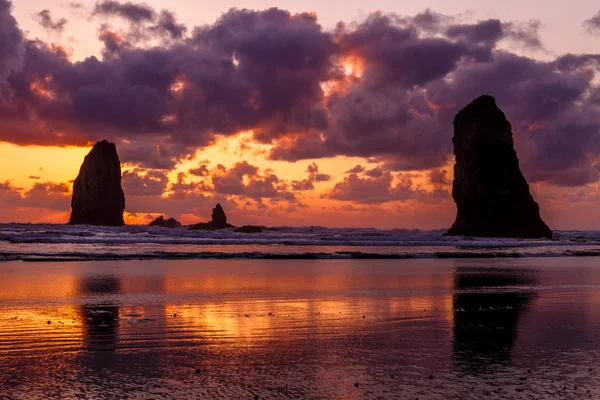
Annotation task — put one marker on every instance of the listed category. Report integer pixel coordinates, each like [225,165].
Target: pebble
[49,322]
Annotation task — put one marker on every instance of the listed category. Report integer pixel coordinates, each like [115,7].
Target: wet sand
[322,329]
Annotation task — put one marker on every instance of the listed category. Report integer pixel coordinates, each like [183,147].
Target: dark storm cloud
[268,72]
[219,83]
[167,23]
[551,109]
[11,38]
[45,20]
[133,12]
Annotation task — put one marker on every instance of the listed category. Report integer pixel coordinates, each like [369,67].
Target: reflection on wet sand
[488,304]
[296,329]
[100,320]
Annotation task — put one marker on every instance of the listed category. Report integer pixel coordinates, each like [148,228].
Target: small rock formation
[491,194]
[98,198]
[249,229]
[169,223]
[219,221]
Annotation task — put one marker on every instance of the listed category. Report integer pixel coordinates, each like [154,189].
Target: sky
[294,113]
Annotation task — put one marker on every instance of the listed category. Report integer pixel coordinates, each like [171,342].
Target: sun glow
[41,87]
[178,85]
[353,66]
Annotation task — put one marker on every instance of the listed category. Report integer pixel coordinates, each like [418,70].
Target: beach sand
[321,329]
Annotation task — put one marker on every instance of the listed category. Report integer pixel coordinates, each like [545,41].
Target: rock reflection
[100,322]
[488,303]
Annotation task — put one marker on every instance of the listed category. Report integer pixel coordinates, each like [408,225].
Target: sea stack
[218,221]
[492,196]
[98,198]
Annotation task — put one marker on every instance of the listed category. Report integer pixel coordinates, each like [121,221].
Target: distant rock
[166,223]
[491,194]
[249,229]
[98,198]
[219,221]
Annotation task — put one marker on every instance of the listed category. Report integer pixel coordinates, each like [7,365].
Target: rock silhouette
[249,229]
[98,198]
[219,221]
[166,223]
[492,196]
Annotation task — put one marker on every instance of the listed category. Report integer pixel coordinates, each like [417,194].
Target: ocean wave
[41,242]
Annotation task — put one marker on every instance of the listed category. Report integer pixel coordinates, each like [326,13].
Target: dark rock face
[219,221]
[98,198]
[166,223]
[491,194]
[249,229]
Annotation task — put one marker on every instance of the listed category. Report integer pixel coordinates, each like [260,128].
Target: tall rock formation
[219,221]
[98,198]
[491,194]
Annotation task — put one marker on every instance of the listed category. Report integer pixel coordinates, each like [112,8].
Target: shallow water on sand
[317,329]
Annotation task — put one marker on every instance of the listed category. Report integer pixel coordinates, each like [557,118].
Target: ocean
[32,242]
[296,313]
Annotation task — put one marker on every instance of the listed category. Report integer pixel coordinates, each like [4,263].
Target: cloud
[201,170]
[315,176]
[45,20]
[43,195]
[382,189]
[142,182]
[132,12]
[437,176]
[303,185]
[167,23]
[593,24]
[11,39]
[246,180]
[357,169]
[385,88]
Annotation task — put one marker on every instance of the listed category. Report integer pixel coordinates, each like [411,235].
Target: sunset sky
[335,113]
